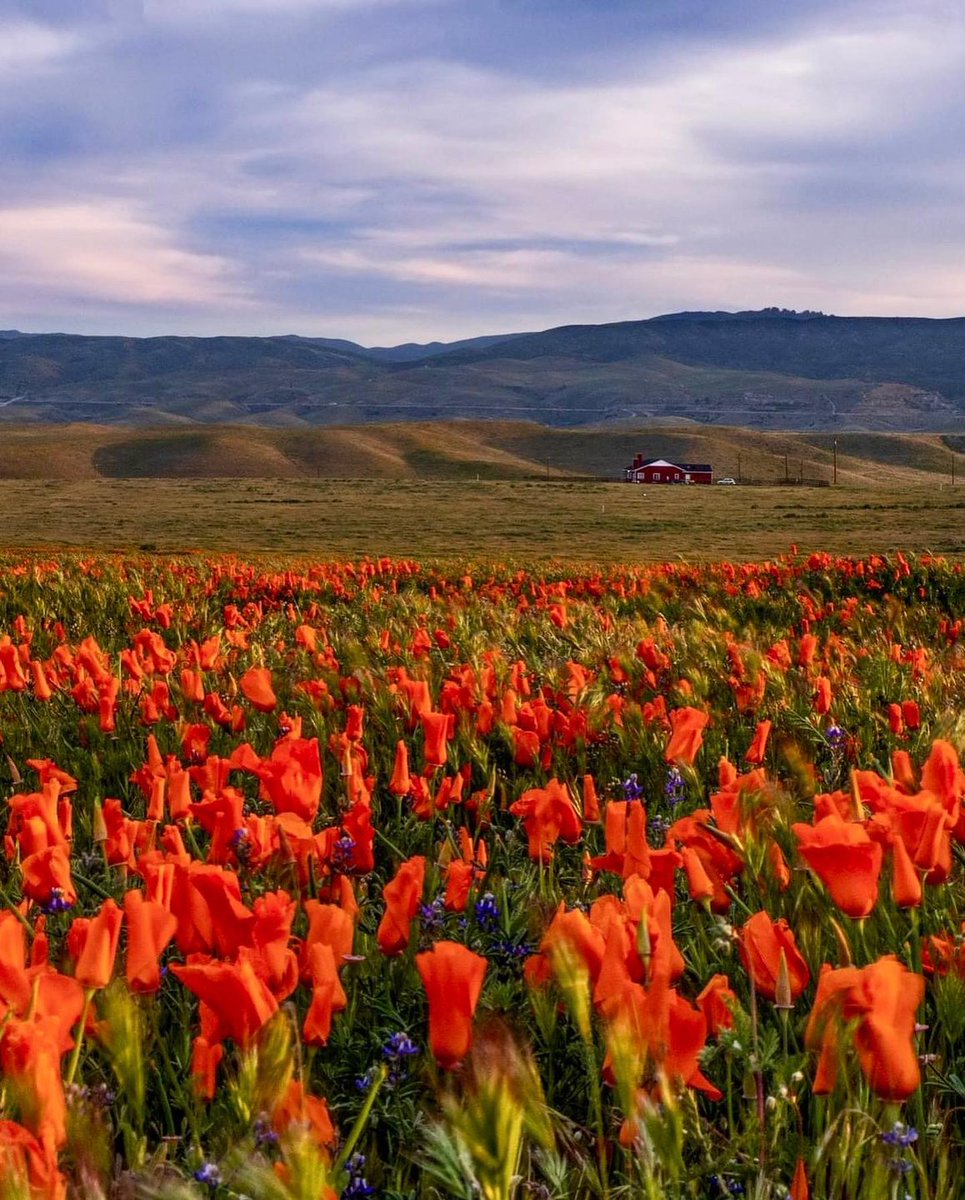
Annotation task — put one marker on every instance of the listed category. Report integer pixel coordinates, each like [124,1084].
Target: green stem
[356,1131]
[75,1057]
[94,887]
[593,1071]
[392,846]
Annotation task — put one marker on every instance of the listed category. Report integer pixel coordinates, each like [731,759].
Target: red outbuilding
[660,470]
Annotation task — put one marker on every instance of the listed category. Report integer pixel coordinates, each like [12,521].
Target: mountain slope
[770,370]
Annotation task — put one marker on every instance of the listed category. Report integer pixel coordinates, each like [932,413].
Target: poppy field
[377,878]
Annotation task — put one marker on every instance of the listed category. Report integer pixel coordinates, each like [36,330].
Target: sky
[399,170]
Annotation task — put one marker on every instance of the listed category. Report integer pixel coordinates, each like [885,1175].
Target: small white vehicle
[728,480]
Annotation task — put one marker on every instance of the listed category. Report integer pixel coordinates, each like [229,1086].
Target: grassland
[508,520]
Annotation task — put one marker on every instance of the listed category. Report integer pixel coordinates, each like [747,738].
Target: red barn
[660,470]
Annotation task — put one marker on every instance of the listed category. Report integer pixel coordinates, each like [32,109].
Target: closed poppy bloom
[328,925]
[14,981]
[717,1002]
[460,876]
[95,964]
[896,721]
[755,753]
[688,726]
[845,859]
[525,747]
[942,775]
[764,945]
[591,801]
[355,722]
[328,995]
[822,697]
[150,929]
[402,898]
[205,1059]
[42,690]
[401,783]
[453,978]
[436,726]
[699,883]
[882,1000]
[911,714]
[573,932]
[240,1002]
[799,1185]
[256,687]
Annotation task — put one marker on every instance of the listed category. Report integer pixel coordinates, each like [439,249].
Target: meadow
[533,520]
[368,877]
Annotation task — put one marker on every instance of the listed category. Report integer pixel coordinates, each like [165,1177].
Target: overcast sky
[393,170]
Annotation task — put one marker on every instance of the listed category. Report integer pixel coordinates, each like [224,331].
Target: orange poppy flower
[717,1002]
[291,778]
[764,946]
[328,925]
[240,1002]
[29,1167]
[30,1059]
[548,815]
[402,898]
[573,931]
[845,859]
[799,1185]
[328,995]
[256,687]
[205,1060]
[95,964]
[755,753]
[591,801]
[883,999]
[688,726]
[150,929]
[453,978]
[298,1106]
[436,726]
[401,783]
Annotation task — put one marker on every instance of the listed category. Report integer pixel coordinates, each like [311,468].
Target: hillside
[463,450]
[769,370]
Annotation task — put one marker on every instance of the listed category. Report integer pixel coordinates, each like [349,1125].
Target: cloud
[27,47]
[103,254]
[479,165]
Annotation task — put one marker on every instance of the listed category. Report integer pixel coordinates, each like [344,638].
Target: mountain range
[774,369]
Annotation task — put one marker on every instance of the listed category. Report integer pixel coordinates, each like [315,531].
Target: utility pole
[787,478]
[953,468]
[739,478]
[834,449]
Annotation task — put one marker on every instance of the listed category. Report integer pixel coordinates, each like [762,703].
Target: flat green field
[522,521]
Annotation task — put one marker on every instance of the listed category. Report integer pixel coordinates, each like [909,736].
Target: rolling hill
[768,370]
[464,450]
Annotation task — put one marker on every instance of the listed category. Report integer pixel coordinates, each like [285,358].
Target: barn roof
[680,466]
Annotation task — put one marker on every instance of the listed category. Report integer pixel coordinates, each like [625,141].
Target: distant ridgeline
[773,369]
